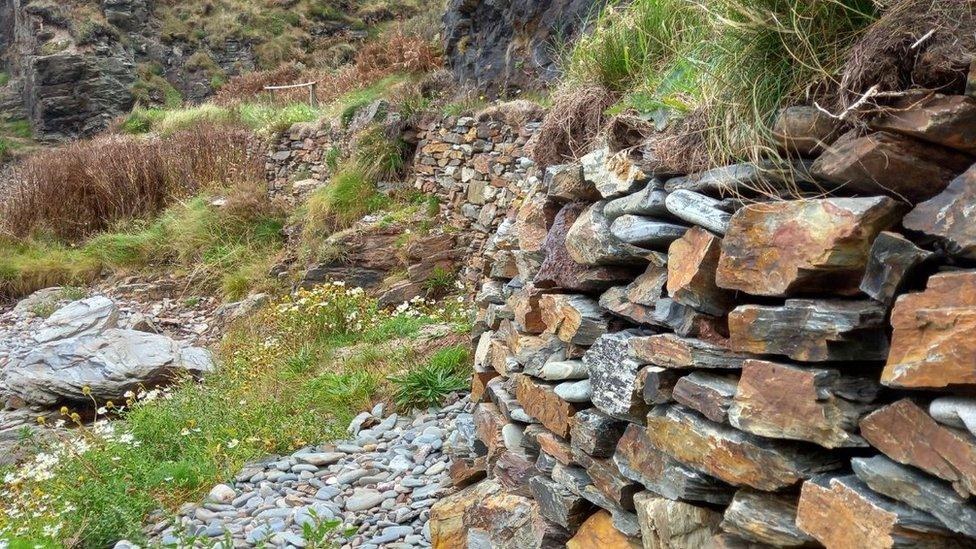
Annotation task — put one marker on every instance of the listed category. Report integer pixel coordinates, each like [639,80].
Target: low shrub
[346,199]
[78,189]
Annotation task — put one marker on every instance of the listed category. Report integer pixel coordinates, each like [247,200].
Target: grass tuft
[446,372]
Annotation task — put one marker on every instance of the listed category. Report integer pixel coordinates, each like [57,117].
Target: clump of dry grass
[915,43]
[78,189]
[571,125]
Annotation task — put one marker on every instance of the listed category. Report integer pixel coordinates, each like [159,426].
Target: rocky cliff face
[72,72]
[500,46]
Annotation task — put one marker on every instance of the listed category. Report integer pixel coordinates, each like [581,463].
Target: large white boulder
[109,363]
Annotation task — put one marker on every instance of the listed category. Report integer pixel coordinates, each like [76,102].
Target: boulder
[804,130]
[540,401]
[90,316]
[646,232]
[506,520]
[892,164]
[738,458]
[560,270]
[892,262]
[811,331]
[790,247]
[613,175]
[565,183]
[764,178]
[946,218]
[637,460]
[103,367]
[672,351]
[598,532]
[615,378]
[906,434]
[932,344]
[707,393]
[591,242]
[647,201]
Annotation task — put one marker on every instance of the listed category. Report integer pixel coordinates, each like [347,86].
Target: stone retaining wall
[686,362]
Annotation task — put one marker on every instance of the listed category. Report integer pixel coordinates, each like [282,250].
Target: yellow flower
[64,410]
[41,420]
[110,405]
[76,418]
[86,390]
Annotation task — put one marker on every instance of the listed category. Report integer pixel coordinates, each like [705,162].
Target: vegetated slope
[77,65]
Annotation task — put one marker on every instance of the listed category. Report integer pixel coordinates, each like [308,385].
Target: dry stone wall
[685,362]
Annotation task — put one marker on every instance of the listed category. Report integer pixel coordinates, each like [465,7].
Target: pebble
[381,484]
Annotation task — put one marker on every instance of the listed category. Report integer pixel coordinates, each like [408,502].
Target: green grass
[346,199]
[282,385]
[211,248]
[276,119]
[734,63]
[4,78]
[445,372]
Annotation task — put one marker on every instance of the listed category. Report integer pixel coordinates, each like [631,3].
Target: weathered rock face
[892,263]
[598,531]
[949,121]
[692,263]
[541,402]
[810,330]
[932,344]
[506,520]
[730,455]
[785,248]
[887,163]
[667,524]
[946,217]
[591,242]
[843,512]
[811,404]
[501,47]
[87,316]
[764,518]
[906,434]
[105,366]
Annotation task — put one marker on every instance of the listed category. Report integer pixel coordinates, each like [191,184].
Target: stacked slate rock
[477,168]
[711,361]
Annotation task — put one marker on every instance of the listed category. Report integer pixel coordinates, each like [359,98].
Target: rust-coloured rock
[800,246]
[933,343]
[947,217]
[692,261]
[888,163]
[843,513]
[573,318]
[907,434]
[741,459]
[541,402]
[488,422]
[672,351]
[505,520]
[811,330]
[533,221]
[947,120]
[467,470]
[598,533]
[811,404]
[637,460]
[524,304]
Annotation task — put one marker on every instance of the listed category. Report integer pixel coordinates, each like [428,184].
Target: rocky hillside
[71,68]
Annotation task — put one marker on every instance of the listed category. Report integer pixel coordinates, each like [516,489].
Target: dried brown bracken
[574,121]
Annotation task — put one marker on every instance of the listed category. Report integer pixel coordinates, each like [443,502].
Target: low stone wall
[687,362]
[479,170]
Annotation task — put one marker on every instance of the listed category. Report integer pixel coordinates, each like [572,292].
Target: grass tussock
[78,189]
[287,380]
[731,63]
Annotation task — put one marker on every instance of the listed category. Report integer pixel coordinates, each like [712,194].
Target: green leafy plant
[430,383]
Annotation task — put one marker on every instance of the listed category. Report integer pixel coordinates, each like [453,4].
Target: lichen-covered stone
[667,524]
